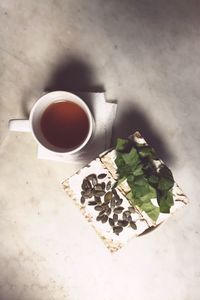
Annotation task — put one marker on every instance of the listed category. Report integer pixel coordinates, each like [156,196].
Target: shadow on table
[149,230]
[73,75]
[133,119]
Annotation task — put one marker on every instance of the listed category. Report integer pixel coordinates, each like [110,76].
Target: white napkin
[104,114]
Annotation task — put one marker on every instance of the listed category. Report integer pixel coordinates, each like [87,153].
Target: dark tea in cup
[64,124]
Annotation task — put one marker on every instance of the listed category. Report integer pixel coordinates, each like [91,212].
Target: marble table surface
[146,56]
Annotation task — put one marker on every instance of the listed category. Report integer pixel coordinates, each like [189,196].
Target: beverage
[60,122]
[65,124]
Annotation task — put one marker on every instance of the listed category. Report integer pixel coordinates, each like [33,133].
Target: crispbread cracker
[105,164]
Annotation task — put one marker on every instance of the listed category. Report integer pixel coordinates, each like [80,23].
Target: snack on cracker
[125,191]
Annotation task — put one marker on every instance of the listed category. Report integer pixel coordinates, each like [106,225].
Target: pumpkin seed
[99,193]
[117,229]
[114,185]
[86,185]
[102,212]
[114,192]
[91,176]
[116,196]
[82,200]
[108,196]
[101,176]
[129,218]
[115,217]
[98,187]
[125,215]
[108,185]
[118,209]
[108,211]
[122,223]
[92,203]
[127,212]
[118,201]
[98,208]
[133,225]
[106,201]
[112,203]
[94,180]
[104,219]
[97,199]
[99,217]
[131,209]
[87,194]
[104,205]
[111,222]
[103,185]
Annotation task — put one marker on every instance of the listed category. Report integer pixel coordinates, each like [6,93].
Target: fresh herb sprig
[135,163]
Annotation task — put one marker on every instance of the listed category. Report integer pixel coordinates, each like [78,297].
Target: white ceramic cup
[33,124]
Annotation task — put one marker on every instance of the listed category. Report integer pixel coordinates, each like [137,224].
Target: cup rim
[86,108]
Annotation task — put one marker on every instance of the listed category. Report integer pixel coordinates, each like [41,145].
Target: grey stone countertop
[146,56]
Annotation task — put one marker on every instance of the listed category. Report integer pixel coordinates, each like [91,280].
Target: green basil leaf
[121,144]
[164,171]
[140,180]
[125,171]
[136,165]
[166,180]
[138,170]
[130,179]
[165,183]
[147,152]
[131,158]
[153,180]
[146,194]
[151,210]
[119,162]
[140,190]
[165,200]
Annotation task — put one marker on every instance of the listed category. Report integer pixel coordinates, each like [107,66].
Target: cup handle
[19,125]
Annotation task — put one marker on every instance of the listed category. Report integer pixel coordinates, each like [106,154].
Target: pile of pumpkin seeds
[106,202]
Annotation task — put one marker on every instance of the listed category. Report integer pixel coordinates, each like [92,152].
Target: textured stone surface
[146,55]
